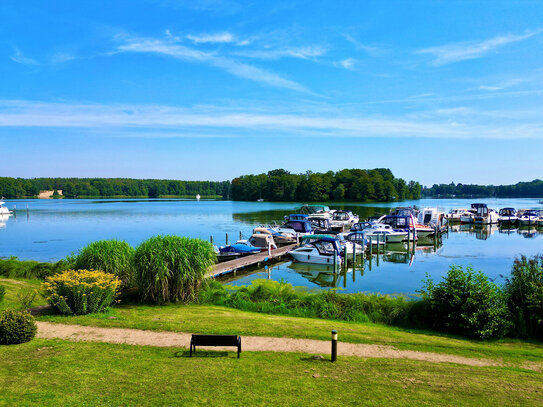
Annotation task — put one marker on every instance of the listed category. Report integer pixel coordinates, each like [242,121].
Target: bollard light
[334,346]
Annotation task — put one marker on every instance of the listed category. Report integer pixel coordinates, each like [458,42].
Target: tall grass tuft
[172,268]
[111,256]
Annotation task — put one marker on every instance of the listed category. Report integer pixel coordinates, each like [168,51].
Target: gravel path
[49,330]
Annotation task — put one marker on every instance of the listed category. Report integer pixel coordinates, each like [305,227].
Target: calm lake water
[55,228]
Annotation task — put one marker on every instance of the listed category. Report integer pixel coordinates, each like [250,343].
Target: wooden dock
[251,260]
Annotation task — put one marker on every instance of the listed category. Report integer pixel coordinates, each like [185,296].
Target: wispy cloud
[363,47]
[347,63]
[168,121]
[309,52]
[501,85]
[21,59]
[224,37]
[450,53]
[173,49]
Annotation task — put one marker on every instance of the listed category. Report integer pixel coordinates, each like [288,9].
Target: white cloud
[374,51]
[167,121]
[21,59]
[309,52]
[446,54]
[175,50]
[346,63]
[224,37]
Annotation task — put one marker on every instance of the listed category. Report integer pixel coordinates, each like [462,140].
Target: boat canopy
[478,205]
[321,223]
[507,212]
[316,237]
[297,216]
[311,209]
[300,226]
[239,248]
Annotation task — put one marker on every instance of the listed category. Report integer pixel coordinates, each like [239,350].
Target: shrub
[466,303]
[14,268]
[524,291]
[2,292]
[26,297]
[79,292]
[16,327]
[172,268]
[111,256]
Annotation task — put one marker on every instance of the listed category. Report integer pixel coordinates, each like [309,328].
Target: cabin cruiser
[469,216]
[485,216]
[325,250]
[342,220]
[321,211]
[280,240]
[3,209]
[507,216]
[322,226]
[383,232]
[530,217]
[294,228]
[455,214]
[407,224]
[431,217]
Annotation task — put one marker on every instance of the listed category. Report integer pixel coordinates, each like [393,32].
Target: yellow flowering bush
[79,292]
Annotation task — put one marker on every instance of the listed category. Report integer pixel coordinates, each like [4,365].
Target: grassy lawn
[221,320]
[51,373]
[12,288]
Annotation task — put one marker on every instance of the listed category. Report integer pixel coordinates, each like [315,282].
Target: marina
[49,230]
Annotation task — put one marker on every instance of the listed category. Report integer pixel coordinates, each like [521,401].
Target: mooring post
[211,239]
[335,261]
[227,238]
[354,254]
[269,249]
[345,257]
[240,236]
[334,346]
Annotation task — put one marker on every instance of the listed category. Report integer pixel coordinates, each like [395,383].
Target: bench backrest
[215,340]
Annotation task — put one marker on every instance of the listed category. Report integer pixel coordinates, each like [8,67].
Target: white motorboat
[455,214]
[3,209]
[507,216]
[325,250]
[342,220]
[277,237]
[485,216]
[467,217]
[317,211]
[530,217]
[261,240]
[382,232]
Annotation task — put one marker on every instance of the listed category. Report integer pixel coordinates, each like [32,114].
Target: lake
[52,229]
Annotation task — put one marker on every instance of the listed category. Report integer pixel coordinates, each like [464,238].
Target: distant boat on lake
[197,197]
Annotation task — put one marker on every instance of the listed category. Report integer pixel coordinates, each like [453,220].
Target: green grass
[52,373]
[12,288]
[222,320]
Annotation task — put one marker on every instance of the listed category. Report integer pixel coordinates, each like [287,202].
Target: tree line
[346,185]
[111,187]
[532,189]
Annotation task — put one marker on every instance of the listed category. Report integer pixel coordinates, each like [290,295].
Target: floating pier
[251,260]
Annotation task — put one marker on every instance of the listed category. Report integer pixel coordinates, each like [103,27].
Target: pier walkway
[231,265]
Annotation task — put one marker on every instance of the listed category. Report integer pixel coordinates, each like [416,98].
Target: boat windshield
[325,247]
[341,216]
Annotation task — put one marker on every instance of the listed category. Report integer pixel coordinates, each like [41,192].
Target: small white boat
[382,232]
[455,214]
[325,250]
[342,220]
[530,217]
[485,216]
[507,216]
[3,209]
[430,217]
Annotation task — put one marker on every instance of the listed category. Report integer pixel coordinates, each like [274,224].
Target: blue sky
[437,91]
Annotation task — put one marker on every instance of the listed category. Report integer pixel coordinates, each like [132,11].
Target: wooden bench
[215,340]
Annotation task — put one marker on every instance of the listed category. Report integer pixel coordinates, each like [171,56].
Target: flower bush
[16,327]
[79,292]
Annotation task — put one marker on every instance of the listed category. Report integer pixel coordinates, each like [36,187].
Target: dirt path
[49,330]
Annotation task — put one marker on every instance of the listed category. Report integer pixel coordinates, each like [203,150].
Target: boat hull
[305,257]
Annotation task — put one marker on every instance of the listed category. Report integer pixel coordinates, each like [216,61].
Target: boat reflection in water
[3,221]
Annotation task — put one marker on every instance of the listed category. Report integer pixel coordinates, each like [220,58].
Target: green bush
[524,290]
[14,268]
[274,297]
[172,268]
[111,256]
[2,292]
[26,297]
[16,327]
[79,292]
[466,303]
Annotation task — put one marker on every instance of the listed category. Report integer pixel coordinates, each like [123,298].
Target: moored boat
[530,217]
[507,216]
[324,250]
[3,209]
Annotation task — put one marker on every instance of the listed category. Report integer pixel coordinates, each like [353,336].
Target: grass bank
[13,286]
[51,373]
[212,319]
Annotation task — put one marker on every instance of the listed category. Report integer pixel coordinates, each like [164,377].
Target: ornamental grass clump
[172,268]
[111,256]
[16,327]
[79,292]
